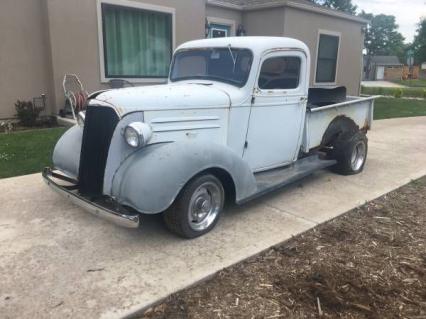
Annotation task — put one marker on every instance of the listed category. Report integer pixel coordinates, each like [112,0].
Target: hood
[163,97]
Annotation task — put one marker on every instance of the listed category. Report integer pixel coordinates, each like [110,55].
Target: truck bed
[318,118]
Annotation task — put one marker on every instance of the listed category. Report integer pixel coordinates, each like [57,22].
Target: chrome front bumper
[116,216]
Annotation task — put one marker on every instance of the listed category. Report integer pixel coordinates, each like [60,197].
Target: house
[380,67]
[100,40]
[422,71]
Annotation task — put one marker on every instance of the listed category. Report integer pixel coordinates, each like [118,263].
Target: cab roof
[257,45]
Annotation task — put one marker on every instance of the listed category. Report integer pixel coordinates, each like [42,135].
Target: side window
[280,73]
[328,49]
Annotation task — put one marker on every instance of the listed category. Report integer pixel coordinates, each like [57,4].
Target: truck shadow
[234,209]
[152,226]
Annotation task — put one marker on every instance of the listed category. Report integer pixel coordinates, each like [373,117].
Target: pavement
[65,121]
[383,84]
[57,261]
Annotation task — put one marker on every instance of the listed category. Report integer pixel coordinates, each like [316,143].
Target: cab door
[278,110]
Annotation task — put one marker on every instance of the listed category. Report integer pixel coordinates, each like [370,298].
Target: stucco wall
[225,13]
[41,40]
[267,22]
[24,65]
[74,37]
[304,25]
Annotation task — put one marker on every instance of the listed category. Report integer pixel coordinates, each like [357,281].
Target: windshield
[227,65]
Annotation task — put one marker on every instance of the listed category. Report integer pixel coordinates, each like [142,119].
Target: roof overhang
[301,6]
[223,4]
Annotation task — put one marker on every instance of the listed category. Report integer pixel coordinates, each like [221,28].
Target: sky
[407,13]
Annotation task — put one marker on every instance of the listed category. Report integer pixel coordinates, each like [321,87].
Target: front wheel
[197,208]
[350,151]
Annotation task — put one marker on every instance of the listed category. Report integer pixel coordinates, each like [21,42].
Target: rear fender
[341,124]
[150,179]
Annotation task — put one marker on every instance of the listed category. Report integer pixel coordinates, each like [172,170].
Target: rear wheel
[350,150]
[198,207]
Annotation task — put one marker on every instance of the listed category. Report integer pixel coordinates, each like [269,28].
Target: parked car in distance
[236,120]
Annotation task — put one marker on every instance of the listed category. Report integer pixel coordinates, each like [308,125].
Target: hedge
[395,92]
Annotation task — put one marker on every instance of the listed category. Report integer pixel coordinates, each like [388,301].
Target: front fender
[66,155]
[150,179]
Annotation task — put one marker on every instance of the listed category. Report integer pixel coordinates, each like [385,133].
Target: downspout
[51,94]
[362,60]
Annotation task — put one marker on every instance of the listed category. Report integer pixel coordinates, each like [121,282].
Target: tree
[342,5]
[382,36]
[419,43]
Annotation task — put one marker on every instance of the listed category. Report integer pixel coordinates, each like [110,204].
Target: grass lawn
[27,152]
[412,83]
[386,108]
[417,92]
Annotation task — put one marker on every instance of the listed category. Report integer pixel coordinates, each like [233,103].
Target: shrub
[398,93]
[48,121]
[27,113]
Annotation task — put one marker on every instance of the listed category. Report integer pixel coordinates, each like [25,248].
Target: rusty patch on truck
[366,126]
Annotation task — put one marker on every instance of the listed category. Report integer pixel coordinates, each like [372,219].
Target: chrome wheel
[205,204]
[358,156]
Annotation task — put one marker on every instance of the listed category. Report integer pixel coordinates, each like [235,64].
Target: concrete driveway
[383,84]
[57,261]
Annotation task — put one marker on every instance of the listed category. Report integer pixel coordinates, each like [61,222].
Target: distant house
[102,40]
[381,67]
[422,72]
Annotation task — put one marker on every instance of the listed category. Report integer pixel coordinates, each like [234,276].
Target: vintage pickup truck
[236,120]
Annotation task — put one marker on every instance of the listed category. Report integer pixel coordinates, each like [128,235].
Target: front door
[278,111]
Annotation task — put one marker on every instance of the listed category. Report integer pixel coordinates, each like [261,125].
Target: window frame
[213,29]
[231,24]
[252,58]
[280,57]
[131,5]
[330,33]
[302,75]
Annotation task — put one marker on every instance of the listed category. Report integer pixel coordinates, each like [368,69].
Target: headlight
[137,134]
[81,116]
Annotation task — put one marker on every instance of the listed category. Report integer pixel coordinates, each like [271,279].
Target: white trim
[220,30]
[226,22]
[223,4]
[136,5]
[297,91]
[332,33]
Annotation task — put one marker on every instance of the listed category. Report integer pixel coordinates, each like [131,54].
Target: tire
[198,207]
[350,151]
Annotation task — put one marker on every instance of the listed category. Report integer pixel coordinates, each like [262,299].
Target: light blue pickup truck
[236,120]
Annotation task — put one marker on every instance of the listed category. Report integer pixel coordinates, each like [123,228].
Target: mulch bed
[368,263]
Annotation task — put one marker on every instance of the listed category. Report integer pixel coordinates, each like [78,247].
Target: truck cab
[236,119]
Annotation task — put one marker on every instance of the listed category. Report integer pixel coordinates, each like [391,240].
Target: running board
[271,180]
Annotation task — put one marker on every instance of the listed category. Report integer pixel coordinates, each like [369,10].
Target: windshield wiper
[234,59]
